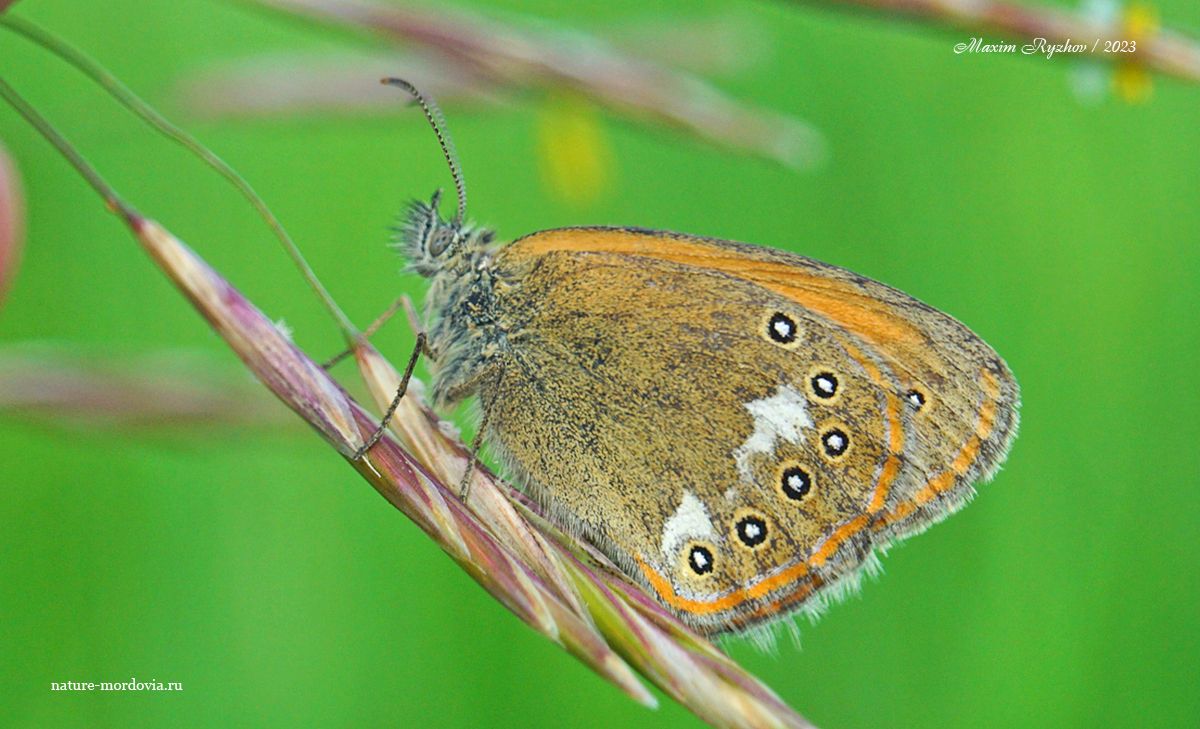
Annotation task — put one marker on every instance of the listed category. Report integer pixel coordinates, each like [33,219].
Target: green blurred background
[256,569]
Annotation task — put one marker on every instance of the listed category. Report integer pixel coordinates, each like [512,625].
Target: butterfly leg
[391,410]
[375,326]
[464,487]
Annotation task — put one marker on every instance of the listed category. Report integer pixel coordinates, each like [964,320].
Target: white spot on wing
[690,521]
[782,416]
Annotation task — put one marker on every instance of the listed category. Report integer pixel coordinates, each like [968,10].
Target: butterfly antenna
[438,122]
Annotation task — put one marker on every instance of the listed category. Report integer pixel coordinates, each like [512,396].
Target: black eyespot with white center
[751,530]
[782,328]
[700,559]
[916,398]
[824,385]
[835,442]
[796,483]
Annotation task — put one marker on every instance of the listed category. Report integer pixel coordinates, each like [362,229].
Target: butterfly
[740,429]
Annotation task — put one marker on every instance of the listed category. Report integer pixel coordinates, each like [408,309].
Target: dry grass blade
[12,222]
[586,65]
[1165,51]
[304,387]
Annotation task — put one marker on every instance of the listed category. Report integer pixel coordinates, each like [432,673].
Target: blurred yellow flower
[575,159]
[1131,80]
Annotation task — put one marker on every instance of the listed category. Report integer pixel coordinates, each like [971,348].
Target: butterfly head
[432,245]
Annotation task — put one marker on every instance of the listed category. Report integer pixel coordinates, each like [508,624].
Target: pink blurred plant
[12,221]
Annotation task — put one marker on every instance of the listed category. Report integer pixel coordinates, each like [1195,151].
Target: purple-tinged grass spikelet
[295,379]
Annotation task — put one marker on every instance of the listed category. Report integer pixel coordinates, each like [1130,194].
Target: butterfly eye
[440,240]
[751,530]
[700,559]
[835,442]
[795,482]
[782,329]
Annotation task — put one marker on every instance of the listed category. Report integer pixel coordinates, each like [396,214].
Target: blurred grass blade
[302,83]
[570,60]
[306,82]
[169,389]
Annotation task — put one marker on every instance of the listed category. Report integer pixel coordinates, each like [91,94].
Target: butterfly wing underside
[738,427]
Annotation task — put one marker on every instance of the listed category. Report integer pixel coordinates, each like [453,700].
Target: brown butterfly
[738,428]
